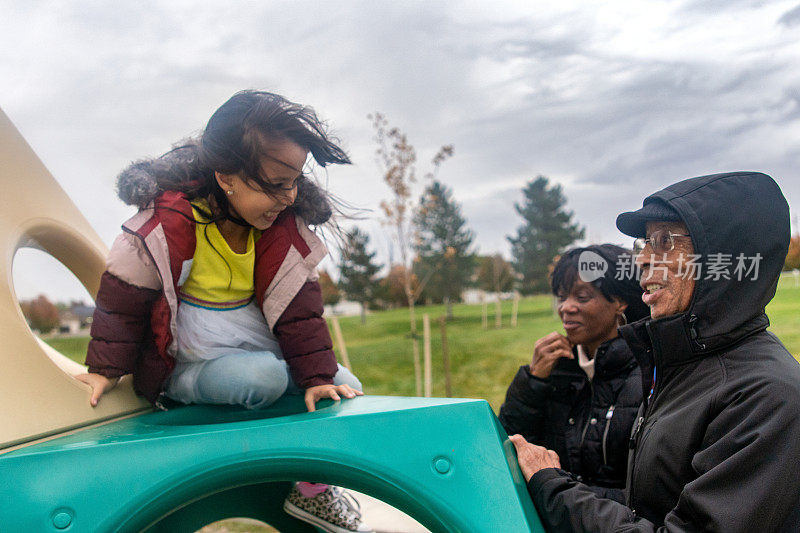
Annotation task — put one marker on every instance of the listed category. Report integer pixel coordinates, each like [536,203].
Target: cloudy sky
[613,100]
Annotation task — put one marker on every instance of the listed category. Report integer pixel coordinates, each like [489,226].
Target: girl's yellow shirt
[219,277]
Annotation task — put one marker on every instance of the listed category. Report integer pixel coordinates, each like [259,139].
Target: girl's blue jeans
[254,380]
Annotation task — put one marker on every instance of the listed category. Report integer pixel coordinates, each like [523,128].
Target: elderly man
[717,440]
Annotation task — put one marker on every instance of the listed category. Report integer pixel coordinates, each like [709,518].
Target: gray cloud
[706,7]
[791,18]
[613,102]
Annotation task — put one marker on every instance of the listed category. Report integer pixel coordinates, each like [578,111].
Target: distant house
[477,296]
[343,308]
[77,318]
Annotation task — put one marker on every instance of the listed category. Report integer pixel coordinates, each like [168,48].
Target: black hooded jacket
[587,423]
[717,442]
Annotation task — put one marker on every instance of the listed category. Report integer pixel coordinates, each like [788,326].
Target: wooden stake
[417,366]
[412,315]
[485,316]
[446,358]
[498,314]
[514,310]
[337,331]
[426,336]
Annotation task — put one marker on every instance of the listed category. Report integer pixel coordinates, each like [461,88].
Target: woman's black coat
[587,423]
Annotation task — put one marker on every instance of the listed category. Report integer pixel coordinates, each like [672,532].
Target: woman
[580,394]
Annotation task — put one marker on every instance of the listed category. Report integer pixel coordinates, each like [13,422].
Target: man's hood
[739,226]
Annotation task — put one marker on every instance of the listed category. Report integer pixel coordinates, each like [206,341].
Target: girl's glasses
[661,241]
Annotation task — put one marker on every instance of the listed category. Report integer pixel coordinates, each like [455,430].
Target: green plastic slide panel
[446,462]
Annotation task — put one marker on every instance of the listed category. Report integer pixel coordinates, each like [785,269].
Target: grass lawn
[482,361]
[784,314]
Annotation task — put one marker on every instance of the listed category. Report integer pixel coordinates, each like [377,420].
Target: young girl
[210,293]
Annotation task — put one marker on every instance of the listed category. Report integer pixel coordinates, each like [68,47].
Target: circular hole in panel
[380,516]
[238,524]
[56,306]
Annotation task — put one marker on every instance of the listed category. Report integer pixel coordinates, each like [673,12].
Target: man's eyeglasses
[661,241]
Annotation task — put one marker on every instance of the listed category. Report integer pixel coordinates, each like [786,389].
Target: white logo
[591,266]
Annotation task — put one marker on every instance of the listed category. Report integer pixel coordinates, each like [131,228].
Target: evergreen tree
[358,270]
[547,230]
[445,262]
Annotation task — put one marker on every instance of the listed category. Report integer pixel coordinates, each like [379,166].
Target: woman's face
[588,317]
[666,278]
[250,203]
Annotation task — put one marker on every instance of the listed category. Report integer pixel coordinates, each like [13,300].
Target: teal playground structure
[445,462]
[121,467]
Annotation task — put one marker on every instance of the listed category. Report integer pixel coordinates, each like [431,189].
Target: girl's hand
[99,384]
[547,351]
[317,392]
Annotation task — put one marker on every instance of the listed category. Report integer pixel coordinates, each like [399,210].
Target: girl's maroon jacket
[133,329]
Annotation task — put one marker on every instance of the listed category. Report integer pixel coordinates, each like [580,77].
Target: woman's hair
[236,139]
[620,262]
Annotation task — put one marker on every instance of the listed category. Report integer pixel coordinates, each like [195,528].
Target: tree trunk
[426,346]
[410,297]
[363,312]
[448,304]
[446,359]
[415,347]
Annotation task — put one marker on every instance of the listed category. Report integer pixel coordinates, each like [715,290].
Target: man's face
[667,282]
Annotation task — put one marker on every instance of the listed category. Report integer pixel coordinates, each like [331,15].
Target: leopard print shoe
[335,510]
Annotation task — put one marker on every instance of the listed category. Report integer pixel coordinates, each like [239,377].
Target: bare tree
[397,159]
[494,274]
[330,291]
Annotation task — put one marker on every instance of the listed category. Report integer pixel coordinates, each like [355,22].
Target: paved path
[384,518]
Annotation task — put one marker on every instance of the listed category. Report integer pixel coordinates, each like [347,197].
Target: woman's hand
[318,392]
[99,384]
[533,458]
[547,351]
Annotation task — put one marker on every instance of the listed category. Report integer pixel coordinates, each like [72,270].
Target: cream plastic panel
[38,395]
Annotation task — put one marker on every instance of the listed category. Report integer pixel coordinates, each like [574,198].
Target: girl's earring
[230,192]
[622,319]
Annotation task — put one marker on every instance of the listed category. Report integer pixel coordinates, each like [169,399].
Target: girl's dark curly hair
[234,141]
[619,259]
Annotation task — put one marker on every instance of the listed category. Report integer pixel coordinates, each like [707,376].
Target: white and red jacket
[134,325]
